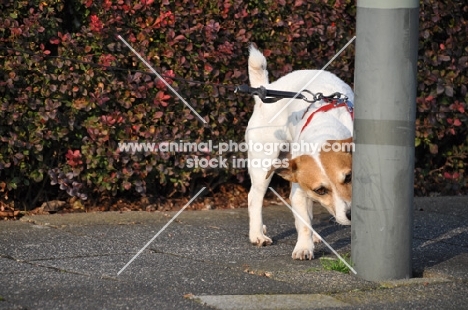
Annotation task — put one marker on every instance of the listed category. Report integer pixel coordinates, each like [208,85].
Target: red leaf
[208,68]
[179,37]
[158,114]
[127,185]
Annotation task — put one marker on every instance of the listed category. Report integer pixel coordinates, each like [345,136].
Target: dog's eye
[321,191]
[348,178]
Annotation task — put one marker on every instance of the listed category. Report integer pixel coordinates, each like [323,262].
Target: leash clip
[350,105]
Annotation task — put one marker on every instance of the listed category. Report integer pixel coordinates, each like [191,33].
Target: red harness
[332,105]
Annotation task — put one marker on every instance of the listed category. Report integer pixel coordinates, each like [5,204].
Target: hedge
[72,90]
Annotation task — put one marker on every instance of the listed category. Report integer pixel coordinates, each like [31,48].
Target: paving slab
[267,302]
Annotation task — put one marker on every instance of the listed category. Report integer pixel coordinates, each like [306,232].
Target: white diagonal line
[313,231]
[315,76]
[160,231]
[163,80]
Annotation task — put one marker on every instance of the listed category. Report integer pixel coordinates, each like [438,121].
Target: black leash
[271,96]
[268,95]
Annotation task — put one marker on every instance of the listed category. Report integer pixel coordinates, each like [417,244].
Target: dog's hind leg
[255,199]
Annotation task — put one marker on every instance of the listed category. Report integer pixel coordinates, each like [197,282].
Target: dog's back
[315,81]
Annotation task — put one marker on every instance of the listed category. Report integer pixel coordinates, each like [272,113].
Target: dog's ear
[288,173]
[287,169]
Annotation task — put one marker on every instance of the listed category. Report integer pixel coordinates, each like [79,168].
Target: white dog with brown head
[313,143]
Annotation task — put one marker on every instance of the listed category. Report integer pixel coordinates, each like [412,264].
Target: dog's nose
[348,215]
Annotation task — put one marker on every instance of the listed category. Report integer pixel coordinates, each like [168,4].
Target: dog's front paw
[303,251]
[260,240]
[303,254]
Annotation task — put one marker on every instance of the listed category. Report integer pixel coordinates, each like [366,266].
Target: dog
[321,174]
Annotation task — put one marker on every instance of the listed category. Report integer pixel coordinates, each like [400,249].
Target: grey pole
[384,125]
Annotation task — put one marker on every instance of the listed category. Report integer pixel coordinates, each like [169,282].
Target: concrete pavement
[203,260]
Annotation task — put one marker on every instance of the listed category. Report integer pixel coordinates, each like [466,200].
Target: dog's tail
[258,74]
